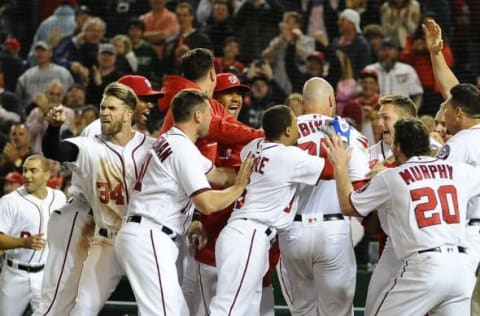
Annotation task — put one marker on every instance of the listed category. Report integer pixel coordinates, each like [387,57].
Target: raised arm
[52,147]
[444,76]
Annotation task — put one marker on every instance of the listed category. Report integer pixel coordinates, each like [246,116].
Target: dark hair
[90,108]
[77,86]
[196,63]
[467,97]
[136,22]
[412,136]
[186,102]
[404,106]
[185,5]
[276,120]
[122,92]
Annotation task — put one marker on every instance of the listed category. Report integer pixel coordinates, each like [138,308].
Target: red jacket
[224,128]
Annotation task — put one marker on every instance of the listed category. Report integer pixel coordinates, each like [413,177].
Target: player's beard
[112,128]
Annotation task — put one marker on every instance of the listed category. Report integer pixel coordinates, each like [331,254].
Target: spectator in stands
[80,53]
[416,54]
[219,25]
[369,11]
[395,77]
[127,62]
[57,26]
[160,24]
[289,45]
[400,18]
[37,119]
[264,93]
[11,64]
[9,101]
[75,96]
[255,24]
[186,39]
[361,109]
[103,74]
[374,35]
[352,42]
[15,150]
[147,58]
[36,79]
[229,61]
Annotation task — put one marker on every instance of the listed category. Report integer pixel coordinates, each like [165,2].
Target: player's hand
[376,170]
[35,242]
[56,116]
[337,152]
[197,235]
[433,36]
[243,175]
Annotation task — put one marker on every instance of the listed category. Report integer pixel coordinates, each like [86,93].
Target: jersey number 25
[425,211]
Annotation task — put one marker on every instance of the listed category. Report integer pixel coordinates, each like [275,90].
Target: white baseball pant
[149,257]
[69,230]
[432,281]
[317,269]
[241,253]
[18,288]
[100,275]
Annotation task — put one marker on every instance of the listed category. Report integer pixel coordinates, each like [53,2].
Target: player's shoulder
[57,194]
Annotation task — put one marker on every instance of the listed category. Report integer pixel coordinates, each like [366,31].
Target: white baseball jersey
[107,172]
[318,199]
[271,199]
[401,79]
[168,180]
[462,148]
[23,215]
[423,205]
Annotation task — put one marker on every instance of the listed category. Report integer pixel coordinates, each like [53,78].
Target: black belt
[165,229]
[439,249]
[326,217]
[25,267]
[474,222]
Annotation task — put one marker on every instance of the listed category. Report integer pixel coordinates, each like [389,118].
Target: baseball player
[200,281]
[107,166]
[158,215]
[199,73]
[23,226]
[269,204]
[392,108]
[317,268]
[70,227]
[426,214]
[463,121]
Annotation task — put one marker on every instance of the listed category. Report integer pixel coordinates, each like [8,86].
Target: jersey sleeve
[191,172]
[454,151]
[7,214]
[358,166]
[303,168]
[225,129]
[372,196]
[80,163]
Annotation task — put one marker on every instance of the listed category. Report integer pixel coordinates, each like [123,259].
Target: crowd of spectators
[67,51]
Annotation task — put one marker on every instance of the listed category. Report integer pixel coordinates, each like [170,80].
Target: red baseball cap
[227,81]
[13,177]
[140,85]
[12,43]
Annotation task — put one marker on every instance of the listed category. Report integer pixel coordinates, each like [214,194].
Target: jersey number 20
[425,211]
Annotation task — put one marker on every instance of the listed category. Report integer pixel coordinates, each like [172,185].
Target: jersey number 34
[426,212]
